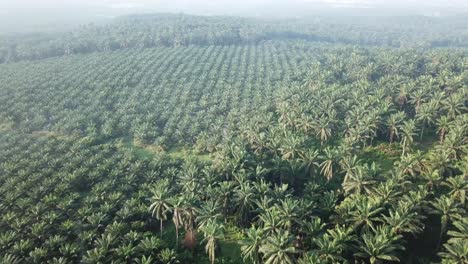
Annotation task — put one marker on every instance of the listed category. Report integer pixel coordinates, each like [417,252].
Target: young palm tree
[456,248]
[278,248]
[358,182]
[379,245]
[212,232]
[447,208]
[160,206]
[289,213]
[458,186]
[456,251]
[349,164]
[168,256]
[432,179]
[250,247]
[271,220]
[404,220]
[365,212]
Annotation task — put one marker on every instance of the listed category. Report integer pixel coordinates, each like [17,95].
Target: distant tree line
[143,31]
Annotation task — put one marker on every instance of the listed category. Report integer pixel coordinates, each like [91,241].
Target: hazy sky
[30,15]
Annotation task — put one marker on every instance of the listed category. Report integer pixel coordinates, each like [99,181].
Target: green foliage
[278,151]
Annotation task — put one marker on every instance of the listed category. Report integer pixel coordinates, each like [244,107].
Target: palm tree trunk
[160,227]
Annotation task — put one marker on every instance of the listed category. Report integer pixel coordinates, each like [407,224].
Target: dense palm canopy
[202,148]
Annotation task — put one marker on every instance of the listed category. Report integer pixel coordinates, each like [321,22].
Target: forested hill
[142,31]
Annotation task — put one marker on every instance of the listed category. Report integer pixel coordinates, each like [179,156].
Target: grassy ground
[383,154]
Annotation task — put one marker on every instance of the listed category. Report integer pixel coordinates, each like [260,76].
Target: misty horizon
[51,15]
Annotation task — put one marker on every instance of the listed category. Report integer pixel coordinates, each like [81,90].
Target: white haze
[51,15]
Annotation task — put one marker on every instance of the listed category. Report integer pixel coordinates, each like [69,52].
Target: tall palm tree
[425,116]
[160,206]
[224,195]
[244,196]
[443,126]
[178,214]
[250,246]
[278,249]
[212,232]
[408,131]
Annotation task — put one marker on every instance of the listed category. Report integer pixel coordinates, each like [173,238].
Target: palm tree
[212,232]
[225,193]
[278,249]
[365,212]
[323,129]
[250,246]
[178,214]
[403,220]
[408,130]
[456,248]
[290,146]
[417,98]
[208,211]
[309,160]
[458,186]
[456,251]
[244,196]
[443,126]
[358,182]
[168,256]
[349,164]
[144,260]
[312,257]
[329,157]
[447,208]
[270,220]
[289,213]
[379,245]
[425,116]
[454,104]
[160,206]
